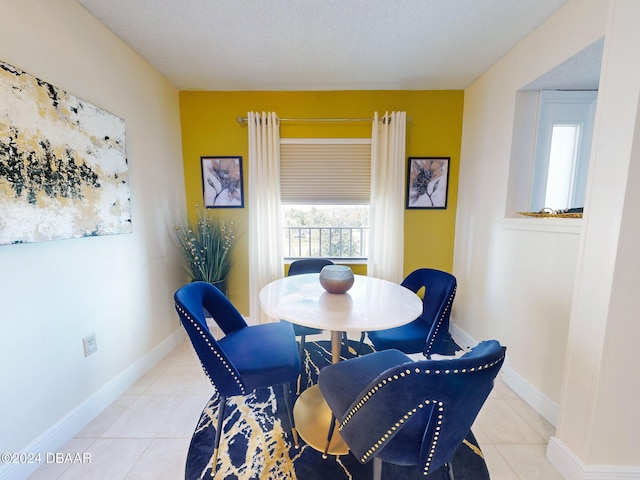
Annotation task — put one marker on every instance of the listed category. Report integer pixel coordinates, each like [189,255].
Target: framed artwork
[63,164]
[222,182]
[428,182]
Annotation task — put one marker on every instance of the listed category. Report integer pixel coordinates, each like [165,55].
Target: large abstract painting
[63,164]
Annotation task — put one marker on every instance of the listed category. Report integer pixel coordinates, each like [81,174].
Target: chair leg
[332,427]
[450,470]
[362,335]
[301,352]
[301,356]
[216,443]
[345,342]
[377,468]
[286,388]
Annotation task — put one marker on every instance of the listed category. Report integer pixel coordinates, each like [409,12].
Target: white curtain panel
[265,223]
[386,231]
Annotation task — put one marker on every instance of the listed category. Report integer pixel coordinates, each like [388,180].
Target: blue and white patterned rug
[256,441]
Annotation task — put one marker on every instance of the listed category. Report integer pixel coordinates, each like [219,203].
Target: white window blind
[325,171]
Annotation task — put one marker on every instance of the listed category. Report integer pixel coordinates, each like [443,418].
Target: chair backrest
[308,265]
[192,302]
[440,290]
[435,401]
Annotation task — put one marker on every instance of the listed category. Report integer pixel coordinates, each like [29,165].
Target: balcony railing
[327,242]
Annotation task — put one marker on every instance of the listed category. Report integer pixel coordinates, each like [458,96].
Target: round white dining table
[371,304]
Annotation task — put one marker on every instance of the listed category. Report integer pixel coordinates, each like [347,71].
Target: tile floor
[145,433]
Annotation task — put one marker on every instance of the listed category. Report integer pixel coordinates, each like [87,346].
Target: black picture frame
[428,182]
[222,185]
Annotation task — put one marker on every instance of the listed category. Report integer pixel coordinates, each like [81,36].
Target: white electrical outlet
[89,344]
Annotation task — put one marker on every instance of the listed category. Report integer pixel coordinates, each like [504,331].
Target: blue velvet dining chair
[391,409]
[246,358]
[429,333]
[299,267]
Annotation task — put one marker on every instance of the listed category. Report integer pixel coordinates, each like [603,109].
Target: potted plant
[207,246]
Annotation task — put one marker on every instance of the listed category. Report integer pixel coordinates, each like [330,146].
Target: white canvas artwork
[63,164]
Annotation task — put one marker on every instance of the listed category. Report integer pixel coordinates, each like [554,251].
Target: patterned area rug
[257,445]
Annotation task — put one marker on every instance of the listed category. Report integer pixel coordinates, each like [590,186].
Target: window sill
[337,261]
[571,226]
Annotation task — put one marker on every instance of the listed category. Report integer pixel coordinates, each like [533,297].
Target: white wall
[516,276]
[564,303]
[599,417]
[119,287]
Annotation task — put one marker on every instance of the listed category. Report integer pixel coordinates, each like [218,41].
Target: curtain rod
[314,120]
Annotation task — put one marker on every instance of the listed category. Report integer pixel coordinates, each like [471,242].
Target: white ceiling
[579,72]
[321,44]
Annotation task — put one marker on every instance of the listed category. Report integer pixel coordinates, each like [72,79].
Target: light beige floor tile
[183,353]
[111,459]
[533,418]
[499,468]
[52,469]
[501,390]
[482,438]
[182,347]
[151,376]
[180,378]
[189,358]
[529,461]
[106,418]
[502,424]
[164,459]
[145,417]
[184,420]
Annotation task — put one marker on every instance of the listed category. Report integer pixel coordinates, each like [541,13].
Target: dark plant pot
[221,285]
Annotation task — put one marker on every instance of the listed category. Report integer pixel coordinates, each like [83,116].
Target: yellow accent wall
[434,128]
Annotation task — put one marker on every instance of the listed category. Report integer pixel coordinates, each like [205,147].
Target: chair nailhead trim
[439,323]
[382,440]
[214,350]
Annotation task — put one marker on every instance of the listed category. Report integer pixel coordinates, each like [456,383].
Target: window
[552,132]
[550,150]
[325,186]
[328,231]
[562,149]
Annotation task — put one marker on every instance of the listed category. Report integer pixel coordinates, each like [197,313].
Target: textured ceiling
[579,72]
[321,44]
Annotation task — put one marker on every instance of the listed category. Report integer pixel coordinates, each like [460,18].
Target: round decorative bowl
[336,278]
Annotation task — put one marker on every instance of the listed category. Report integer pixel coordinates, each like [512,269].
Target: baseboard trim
[536,399]
[572,468]
[64,430]
[461,337]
